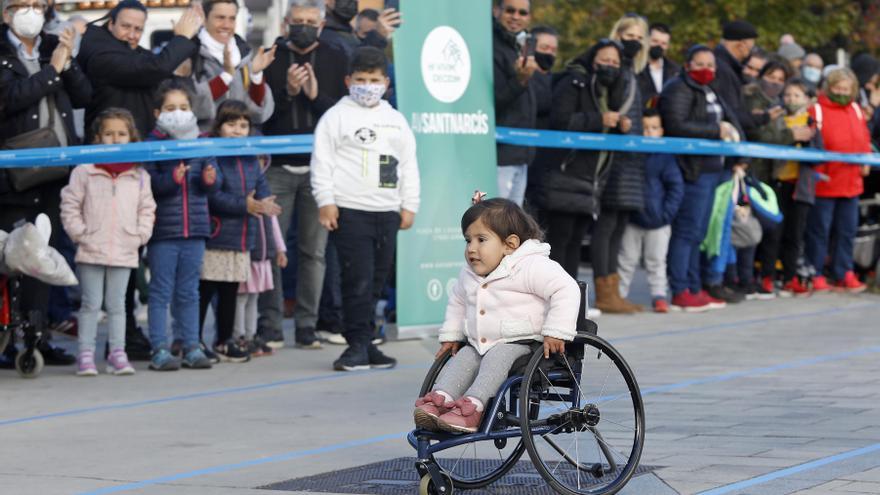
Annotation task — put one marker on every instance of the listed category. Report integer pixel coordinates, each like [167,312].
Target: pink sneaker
[429,408]
[117,363]
[86,364]
[463,418]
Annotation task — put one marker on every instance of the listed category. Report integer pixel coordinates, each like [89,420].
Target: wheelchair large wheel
[586,425]
[474,464]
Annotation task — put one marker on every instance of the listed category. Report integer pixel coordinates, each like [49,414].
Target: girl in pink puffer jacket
[108,211]
[509,294]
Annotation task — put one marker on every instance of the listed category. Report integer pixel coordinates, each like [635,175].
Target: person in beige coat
[108,210]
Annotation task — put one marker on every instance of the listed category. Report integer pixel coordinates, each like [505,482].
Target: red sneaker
[850,283]
[429,408]
[712,302]
[820,284]
[795,288]
[463,418]
[660,305]
[689,303]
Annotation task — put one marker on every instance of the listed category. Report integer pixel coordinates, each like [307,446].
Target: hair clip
[478,196]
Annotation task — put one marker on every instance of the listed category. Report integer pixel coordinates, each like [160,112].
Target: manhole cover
[399,477]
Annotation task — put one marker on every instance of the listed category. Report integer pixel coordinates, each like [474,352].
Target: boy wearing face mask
[365,179]
[307,77]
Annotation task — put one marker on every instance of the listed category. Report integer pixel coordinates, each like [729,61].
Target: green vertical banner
[443,70]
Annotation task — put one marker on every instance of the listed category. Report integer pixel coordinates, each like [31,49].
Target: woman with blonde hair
[836,211]
[631,31]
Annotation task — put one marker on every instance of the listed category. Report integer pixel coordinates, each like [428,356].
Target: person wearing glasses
[40,85]
[515,100]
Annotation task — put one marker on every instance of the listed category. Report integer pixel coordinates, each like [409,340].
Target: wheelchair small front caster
[428,487]
[29,364]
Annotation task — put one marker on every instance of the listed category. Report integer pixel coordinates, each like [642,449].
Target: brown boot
[605,298]
[615,283]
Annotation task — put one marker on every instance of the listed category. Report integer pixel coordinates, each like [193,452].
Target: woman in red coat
[844,129]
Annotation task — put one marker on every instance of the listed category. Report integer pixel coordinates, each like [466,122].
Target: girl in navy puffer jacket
[177,247]
[242,195]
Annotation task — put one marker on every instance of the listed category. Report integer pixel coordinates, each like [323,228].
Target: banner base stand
[414,332]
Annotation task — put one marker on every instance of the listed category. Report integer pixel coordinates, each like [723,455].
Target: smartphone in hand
[528,49]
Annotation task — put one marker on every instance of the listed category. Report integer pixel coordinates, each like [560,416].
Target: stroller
[25,252]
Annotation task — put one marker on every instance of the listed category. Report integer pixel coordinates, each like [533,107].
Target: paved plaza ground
[772,397]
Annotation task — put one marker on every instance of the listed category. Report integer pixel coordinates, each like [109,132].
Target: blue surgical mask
[811,74]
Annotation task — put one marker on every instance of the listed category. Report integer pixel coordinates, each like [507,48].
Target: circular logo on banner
[446,64]
[435,289]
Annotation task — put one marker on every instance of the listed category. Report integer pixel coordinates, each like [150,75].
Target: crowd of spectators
[204,249]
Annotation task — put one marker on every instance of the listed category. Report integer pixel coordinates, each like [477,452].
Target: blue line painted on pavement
[200,395]
[171,149]
[800,468]
[334,376]
[287,456]
[368,441]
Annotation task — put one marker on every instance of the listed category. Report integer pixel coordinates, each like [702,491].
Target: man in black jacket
[338,30]
[39,88]
[660,69]
[515,100]
[737,42]
[307,77]
[126,75]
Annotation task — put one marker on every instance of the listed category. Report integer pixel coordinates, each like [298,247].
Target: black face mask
[302,35]
[545,61]
[346,9]
[607,74]
[656,52]
[631,48]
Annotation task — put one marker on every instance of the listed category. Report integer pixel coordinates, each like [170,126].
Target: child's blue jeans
[175,267]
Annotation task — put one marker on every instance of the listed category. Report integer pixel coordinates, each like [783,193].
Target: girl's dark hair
[504,217]
[169,85]
[119,114]
[694,50]
[800,83]
[230,110]
[773,66]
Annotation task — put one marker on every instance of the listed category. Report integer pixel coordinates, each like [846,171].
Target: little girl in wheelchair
[510,295]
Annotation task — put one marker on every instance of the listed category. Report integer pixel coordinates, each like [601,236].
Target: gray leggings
[472,375]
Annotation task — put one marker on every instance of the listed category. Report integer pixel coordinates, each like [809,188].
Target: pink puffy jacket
[529,296]
[109,218]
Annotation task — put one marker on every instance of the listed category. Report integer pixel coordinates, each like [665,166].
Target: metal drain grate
[399,477]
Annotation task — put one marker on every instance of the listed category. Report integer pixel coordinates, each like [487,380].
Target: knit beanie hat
[791,51]
[739,30]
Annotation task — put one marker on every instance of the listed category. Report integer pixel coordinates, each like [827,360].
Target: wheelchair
[28,361]
[580,417]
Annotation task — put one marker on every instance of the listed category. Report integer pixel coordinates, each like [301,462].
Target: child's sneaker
[210,354]
[462,418]
[850,283]
[163,360]
[428,409]
[117,363]
[820,284]
[713,302]
[689,303]
[795,288]
[230,352]
[767,289]
[86,364]
[195,359]
[660,305]
[258,347]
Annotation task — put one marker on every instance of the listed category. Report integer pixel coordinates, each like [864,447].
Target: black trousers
[786,242]
[365,242]
[605,242]
[226,293]
[565,234]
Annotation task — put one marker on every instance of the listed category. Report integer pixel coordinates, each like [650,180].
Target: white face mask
[179,124]
[366,95]
[27,23]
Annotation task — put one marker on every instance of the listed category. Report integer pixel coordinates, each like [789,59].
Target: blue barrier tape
[148,151]
[274,145]
[678,146]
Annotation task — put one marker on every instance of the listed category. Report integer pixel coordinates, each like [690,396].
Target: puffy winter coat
[181,208]
[232,227]
[845,130]
[664,191]
[684,113]
[528,296]
[108,217]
